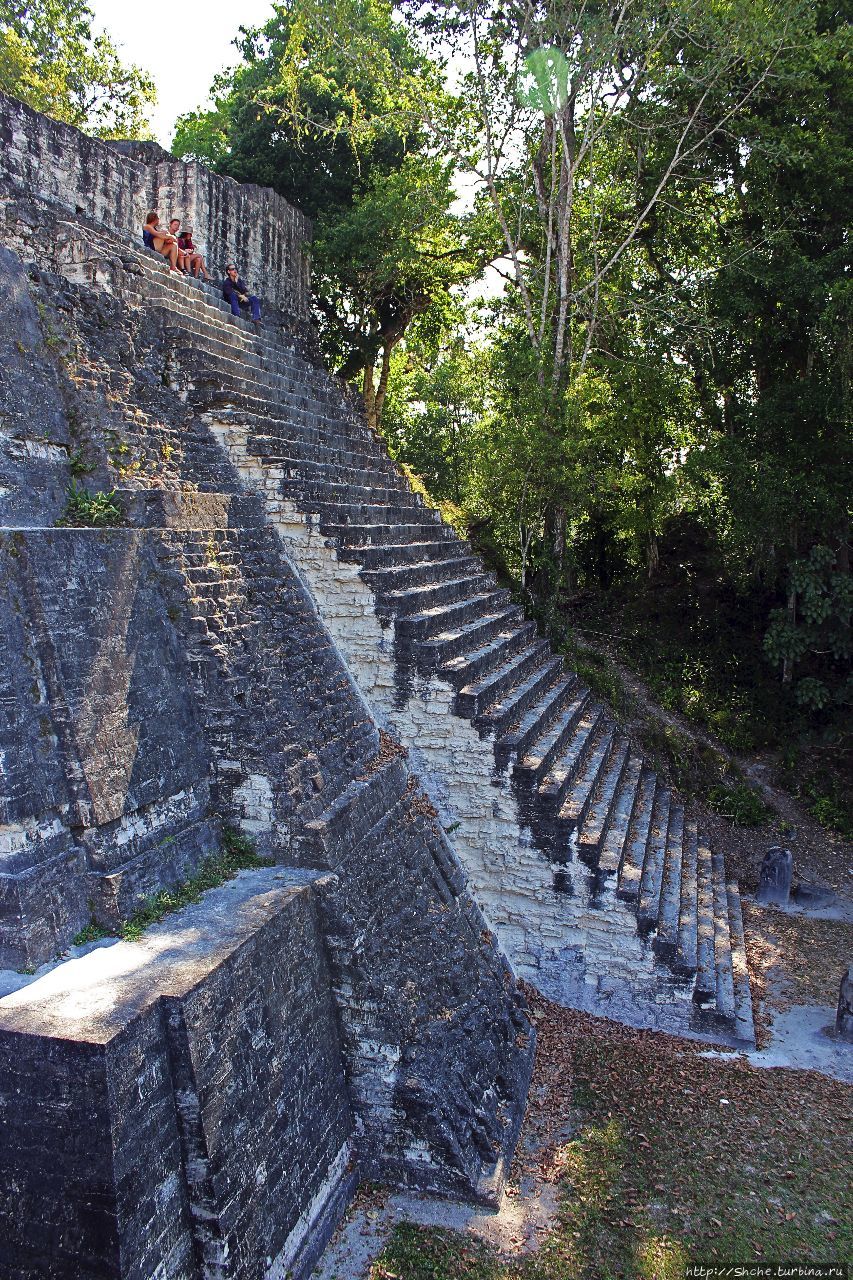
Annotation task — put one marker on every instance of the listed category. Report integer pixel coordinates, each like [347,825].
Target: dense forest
[588,265]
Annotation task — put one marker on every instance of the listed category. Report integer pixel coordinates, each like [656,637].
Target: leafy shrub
[85,510]
[80,465]
[739,803]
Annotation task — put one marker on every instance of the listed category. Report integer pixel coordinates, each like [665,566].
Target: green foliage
[92,932]
[816,625]
[596,671]
[327,107]
[238,853]
[79,465]
[831,811]
[433,413]
[740,803]
[85,509]
[50,59]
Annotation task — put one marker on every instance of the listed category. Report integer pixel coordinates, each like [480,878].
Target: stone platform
[177,1107]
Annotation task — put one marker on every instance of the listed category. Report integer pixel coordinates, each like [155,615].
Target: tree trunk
[652,553]
[382,389]
[369,393]
[788,662]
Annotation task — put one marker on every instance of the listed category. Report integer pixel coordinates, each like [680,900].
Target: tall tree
[50,59]
[326,108]
[776,359]
[584,120]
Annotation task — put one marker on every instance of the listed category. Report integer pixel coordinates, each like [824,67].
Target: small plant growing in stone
[213,558]
[80,465]
[85,510]
[238,853]
[92,932]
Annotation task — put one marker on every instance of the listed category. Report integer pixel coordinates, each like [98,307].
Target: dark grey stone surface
[33,424]
[172,1107]
[106,770]
[811,895]
[844,1012]
[774,877]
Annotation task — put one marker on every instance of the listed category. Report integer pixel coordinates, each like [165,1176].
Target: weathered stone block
[114,184]
[34,436]
[844,1012]
[774,883]
[106,768]
[170,1108]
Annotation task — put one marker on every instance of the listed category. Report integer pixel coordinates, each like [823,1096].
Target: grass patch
[739,803]
[238,853]
[596,671]
[451,514]
[91,510]
[818,778]
[675,1159]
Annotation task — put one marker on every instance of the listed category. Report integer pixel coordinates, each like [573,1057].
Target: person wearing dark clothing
[235,292]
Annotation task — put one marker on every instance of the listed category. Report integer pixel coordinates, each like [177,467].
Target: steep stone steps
[516,699]
[669,909]
[480,692]
[353,540]
[465,592]
[400,576]
[513,635]
[446,650]
[307,441]
[583,723]
[315,453]
[652,875]
[636,839]
[604,807]
[394,555]
[537,735]
[316,476]
[560,769]
[324,492]
[602,755]
[724,992]
[706,982]
[686,943]
[361,513]
[743,1016]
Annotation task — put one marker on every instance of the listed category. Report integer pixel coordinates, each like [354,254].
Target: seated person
[193,260]
[235,292]
[154,237]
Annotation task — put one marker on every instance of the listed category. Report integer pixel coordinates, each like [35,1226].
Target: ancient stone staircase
[602,891]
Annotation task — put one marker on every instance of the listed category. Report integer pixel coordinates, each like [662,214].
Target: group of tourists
[184,257]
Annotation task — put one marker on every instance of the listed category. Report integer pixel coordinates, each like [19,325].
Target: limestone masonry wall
[180,1104]
[114,184]
[200,1103]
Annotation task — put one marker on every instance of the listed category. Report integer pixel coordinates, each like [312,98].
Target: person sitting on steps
[154,237]
[193,260]
[235,292]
